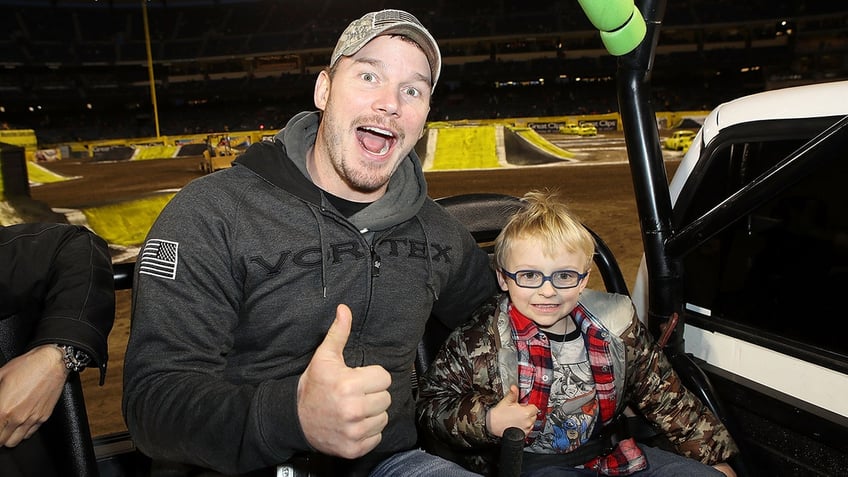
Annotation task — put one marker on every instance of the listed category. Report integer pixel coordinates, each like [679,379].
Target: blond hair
[546,217]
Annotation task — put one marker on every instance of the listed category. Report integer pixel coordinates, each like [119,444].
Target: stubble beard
[363,177]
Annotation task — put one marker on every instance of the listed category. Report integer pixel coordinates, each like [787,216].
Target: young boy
[561,362]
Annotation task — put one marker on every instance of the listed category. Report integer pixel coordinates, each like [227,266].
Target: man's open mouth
[375,140]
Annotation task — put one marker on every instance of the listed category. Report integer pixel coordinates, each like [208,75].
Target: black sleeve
[59,275]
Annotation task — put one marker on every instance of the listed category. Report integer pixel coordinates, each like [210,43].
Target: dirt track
[601,194]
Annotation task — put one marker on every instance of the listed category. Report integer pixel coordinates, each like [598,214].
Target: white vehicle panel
[808,382]
[814,384]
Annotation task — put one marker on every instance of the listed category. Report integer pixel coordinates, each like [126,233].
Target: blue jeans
[417,463]
[660,464]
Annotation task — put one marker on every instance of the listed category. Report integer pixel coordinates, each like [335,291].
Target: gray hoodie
[238,282]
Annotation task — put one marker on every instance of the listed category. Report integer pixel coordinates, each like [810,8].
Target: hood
[283,163]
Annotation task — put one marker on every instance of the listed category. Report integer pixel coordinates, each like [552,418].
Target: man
[278,303]
[57,307]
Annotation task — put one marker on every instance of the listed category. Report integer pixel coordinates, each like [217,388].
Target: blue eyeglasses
[561,279]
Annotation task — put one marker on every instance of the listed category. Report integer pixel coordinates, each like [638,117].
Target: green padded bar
[627,38]
[620,22]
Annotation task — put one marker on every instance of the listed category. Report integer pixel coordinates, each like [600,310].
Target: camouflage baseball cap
[374,24]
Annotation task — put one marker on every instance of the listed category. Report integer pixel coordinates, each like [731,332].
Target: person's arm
[192,394]
[60,276]
[79,294]
[30,386]
[177,402]
[452,404]
[473,281]
[658,393]
[229,366]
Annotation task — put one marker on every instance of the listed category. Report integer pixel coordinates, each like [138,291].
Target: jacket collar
[286,168]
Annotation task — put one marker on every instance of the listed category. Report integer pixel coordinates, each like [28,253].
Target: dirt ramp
[520,151]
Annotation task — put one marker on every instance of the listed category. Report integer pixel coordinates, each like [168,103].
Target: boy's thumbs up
[512,396]
[508,412]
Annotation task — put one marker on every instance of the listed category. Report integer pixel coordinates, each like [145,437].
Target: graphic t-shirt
[572,407]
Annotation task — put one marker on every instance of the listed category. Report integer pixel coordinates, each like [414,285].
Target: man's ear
[322,90]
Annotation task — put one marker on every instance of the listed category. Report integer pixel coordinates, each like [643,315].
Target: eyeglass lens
[559,279]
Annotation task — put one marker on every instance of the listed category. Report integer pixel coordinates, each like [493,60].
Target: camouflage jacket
[475,367]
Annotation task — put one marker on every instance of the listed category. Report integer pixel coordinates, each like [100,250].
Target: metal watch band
[75,360]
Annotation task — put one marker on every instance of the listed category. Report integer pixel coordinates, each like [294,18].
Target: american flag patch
[159,258]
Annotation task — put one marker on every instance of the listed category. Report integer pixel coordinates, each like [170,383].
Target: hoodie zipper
[375,263]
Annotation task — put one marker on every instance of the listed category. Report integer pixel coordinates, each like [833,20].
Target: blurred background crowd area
[81,69]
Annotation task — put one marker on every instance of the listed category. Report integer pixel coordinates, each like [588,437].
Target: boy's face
[546,306]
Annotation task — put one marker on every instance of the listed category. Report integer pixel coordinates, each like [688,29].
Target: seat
[70,432]
[123,275]
[484,214]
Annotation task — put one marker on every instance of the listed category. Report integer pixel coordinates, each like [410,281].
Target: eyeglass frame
[548,278]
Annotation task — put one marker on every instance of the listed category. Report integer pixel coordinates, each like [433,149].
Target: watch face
[75,360]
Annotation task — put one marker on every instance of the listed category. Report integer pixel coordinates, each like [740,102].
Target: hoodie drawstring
[430,283]
[321,245]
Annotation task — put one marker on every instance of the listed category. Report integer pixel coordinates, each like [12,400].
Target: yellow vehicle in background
[220,156]
[679,141]
[583,129]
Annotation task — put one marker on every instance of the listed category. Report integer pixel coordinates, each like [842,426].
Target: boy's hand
[509,413]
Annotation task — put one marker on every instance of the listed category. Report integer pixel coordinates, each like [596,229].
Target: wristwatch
[75,360]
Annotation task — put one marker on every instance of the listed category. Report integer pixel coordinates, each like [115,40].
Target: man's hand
[342,410]
[30,386]
[509,413]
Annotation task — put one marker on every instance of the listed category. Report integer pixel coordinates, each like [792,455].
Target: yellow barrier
[24,138]
[466,148]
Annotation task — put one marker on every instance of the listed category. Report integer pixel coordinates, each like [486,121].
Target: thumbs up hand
[509,413]
[342,410]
